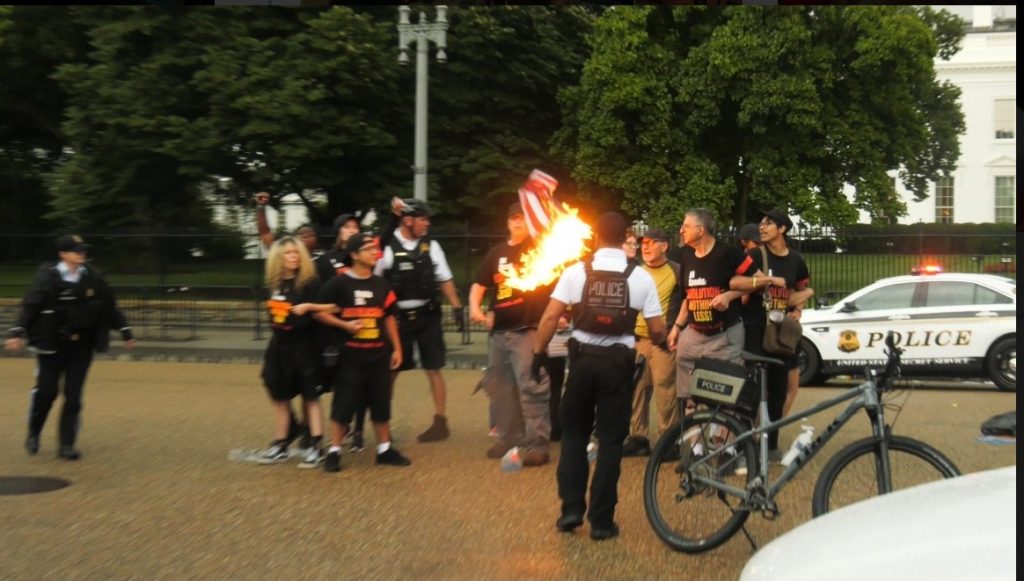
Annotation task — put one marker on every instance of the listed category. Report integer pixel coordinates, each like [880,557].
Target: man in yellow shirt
[658,381]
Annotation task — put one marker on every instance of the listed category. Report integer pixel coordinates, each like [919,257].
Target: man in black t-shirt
[520,403]
[709,323]
[371,348]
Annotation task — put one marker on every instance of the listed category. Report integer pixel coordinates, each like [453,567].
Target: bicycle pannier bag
[717,382]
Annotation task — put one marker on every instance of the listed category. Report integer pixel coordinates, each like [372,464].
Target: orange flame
[563,243]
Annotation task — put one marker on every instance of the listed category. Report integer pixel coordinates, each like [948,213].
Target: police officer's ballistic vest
[412,273]
[605,308]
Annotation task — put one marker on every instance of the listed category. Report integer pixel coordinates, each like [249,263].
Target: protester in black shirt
[708,324]
[291,361]
[336,260]
[520,403]
[786,293]
[371,349]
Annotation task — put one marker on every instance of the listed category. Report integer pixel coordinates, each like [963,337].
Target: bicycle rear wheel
[688,515]
[855,473]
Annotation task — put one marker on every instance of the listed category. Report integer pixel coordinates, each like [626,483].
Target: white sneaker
[275,454]
[314,458]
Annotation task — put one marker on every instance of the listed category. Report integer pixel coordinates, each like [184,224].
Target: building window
[1005,190]
[944,200]
[1006,118]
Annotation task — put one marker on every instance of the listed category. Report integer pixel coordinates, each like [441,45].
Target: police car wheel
[809,361]
[1002,364]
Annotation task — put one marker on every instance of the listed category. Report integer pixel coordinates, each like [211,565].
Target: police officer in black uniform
[606,293]
[67,314]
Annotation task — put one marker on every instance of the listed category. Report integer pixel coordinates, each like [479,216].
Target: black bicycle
[707,474]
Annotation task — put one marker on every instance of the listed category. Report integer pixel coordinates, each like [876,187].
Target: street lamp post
[423,34]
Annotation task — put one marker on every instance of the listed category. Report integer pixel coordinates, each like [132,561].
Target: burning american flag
[559,234]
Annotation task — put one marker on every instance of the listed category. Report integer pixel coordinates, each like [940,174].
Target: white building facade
[983,188]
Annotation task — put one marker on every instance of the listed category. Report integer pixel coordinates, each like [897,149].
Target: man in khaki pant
[658,381]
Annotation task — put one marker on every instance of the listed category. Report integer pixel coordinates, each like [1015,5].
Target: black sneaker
[357,443]
[332,463]
[636,446]
[305,440]
[32,444]
[392,457]
[69,453]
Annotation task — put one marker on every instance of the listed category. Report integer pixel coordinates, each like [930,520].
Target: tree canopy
[743,108]
[121,118]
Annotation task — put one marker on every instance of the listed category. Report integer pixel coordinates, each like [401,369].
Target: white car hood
[963,528]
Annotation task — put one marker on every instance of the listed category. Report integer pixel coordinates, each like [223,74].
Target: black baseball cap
[516,209]
[71,243]
[341,219]
[656,234]
[358,241]
[779,217]
[750,232]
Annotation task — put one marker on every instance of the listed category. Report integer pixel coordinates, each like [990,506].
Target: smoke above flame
[563,243]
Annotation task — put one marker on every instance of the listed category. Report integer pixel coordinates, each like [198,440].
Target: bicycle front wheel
[686,512]
[855,473]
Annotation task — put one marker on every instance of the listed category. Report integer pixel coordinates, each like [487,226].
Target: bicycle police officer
[606,293]
[67,314]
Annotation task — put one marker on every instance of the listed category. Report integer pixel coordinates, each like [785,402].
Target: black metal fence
[175,296]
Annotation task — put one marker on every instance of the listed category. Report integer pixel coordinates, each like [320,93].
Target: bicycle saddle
[750,357]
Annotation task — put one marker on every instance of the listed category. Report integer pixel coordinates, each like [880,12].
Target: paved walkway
[155,496]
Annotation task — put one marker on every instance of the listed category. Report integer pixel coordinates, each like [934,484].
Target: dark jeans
[598,388]
[71,360]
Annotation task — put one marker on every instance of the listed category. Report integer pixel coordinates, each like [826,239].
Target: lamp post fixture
[423,34]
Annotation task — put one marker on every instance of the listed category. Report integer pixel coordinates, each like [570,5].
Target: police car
[948,324]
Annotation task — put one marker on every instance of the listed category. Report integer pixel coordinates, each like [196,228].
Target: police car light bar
[926,269]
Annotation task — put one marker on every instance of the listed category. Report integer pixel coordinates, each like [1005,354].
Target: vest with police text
[604,308]
[412,272]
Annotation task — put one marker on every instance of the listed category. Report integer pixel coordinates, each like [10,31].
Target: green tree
[741,108]
[493,107]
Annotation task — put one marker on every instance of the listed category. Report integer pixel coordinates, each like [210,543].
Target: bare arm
[548,324]
[476,297]
[391,327]
[449,292]
[755,282]
[350,327]
[262,226]
[303,308]
[673,333]
[656,327]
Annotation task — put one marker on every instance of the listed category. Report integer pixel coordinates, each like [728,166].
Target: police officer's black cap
[358,241]
[416,208]
[750,232]
[611,228]
[779,217]
[71,243]
[340,221]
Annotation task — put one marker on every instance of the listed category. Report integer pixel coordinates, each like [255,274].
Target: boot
[437,431]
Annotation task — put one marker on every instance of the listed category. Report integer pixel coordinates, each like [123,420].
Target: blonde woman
[291,364]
